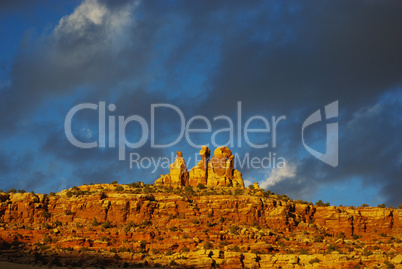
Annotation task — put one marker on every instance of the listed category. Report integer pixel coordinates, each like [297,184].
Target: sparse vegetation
[318,238]
[208,245]
[321,203]
[201,186]
[107,224]
[129,225]
[234,229]
[46,214]
[202,229]
[389,265]
[95,222]
[119,188]
[239,192]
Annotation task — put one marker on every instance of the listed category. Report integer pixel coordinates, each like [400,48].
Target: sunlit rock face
[215,171]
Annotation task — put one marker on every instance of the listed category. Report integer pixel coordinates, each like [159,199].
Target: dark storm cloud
[323,52]
[369,151]
[80,53]
[320,53]
[276,58]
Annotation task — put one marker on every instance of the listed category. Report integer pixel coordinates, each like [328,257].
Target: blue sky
[203,57]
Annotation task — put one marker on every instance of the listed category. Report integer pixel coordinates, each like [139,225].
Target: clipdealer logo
[107,129]
[330,156]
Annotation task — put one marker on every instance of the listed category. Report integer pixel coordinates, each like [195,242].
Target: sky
[163,68]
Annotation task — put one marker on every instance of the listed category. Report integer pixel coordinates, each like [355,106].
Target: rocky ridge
[193,227]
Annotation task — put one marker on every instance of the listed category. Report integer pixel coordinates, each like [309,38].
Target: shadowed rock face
[216,171]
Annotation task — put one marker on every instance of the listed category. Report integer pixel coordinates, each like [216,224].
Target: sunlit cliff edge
[193,227]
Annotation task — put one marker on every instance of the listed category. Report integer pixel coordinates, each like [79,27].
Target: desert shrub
[44,247]
[196,221]
[341,235]
[123,249]
[382,205]
[146,223]
[95,222]
[222,220]
[251,187]
[331,248]
[201,186]
[58,223]
[173,229]
[389,265]
[355,236]
[367,252]
[46,214]
[69,194]
[107,224]
[170,189]
[114,182]
[238,192]
[208,245]
[47,239]
[138,184]
[52,193]
[103,195]
[68,212]
[321,203]
[119,188]
[155,251]
[400,206]
[236,249]
[21,191]
[315,260]
[12,191]
[169,252]
[147,189]
[303,251]
[129,225]
[234,229]
[185,249]
[189,190]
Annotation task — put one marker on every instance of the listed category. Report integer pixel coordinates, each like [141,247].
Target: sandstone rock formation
[154,226]
[217,171]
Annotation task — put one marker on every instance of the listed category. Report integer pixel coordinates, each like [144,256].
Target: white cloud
[278,174]
[247,183]
[91,14]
